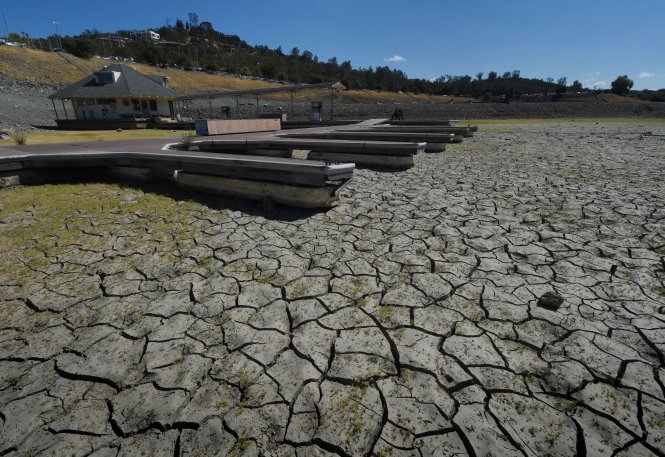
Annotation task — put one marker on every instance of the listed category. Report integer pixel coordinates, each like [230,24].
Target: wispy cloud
[592,81]
[647,74]
[395,58]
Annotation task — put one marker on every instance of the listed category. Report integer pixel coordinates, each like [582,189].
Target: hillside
[51,69]
[28,76]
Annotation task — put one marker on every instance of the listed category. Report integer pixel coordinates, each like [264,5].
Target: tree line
[192,44]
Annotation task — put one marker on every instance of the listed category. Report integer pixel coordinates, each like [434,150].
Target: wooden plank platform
[228,127]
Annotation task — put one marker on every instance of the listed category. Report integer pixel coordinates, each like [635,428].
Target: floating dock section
[462,131]
[302,183]
[380,154]
[255,167]
[436,142]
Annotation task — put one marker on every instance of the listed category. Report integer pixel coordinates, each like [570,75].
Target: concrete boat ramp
[258,167]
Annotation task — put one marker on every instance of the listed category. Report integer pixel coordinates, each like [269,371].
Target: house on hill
[115,96]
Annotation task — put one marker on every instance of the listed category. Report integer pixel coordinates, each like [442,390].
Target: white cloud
[395,59]
[591,81]
[647,74]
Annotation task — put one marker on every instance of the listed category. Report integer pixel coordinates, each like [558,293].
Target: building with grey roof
[117,92]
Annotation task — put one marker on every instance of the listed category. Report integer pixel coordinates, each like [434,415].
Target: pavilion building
[116,95]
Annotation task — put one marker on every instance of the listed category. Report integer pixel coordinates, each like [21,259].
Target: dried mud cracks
[402,322]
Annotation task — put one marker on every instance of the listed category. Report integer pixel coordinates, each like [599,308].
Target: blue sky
[592,41]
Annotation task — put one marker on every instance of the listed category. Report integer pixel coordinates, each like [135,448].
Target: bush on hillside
[80,47]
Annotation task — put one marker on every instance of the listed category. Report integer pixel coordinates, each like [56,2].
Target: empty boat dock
[257,166]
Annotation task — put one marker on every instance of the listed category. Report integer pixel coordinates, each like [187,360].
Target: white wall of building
[120,108]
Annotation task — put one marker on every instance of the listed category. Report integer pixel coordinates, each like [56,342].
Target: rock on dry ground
[405,321]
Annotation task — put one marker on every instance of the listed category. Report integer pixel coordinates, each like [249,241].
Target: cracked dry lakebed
[505,297]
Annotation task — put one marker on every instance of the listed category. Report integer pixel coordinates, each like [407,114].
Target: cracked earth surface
[402,322]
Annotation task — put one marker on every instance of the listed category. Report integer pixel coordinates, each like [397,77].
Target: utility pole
[57,33]
[6,28]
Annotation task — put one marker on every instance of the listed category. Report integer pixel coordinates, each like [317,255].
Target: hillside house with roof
[115,93]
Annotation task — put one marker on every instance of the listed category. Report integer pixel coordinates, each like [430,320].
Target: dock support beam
[292,95]
[332,101]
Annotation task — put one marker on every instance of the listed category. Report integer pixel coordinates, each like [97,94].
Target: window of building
[153,105]
[125,101]
[86,102]
[105,101]
[137,104]
[104,78]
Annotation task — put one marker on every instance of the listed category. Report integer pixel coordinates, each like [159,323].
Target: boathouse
[112,97]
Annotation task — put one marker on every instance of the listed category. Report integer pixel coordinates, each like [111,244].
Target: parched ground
[403,322]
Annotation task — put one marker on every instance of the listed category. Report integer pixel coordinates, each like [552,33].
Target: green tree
[80,47]
[622,85]
[152,55]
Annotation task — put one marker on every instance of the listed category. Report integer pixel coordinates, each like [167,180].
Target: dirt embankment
[419,110]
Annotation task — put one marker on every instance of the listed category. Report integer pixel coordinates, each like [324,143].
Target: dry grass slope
[50,68]
[77,136]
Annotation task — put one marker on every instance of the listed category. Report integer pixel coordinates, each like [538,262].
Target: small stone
[550,300]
